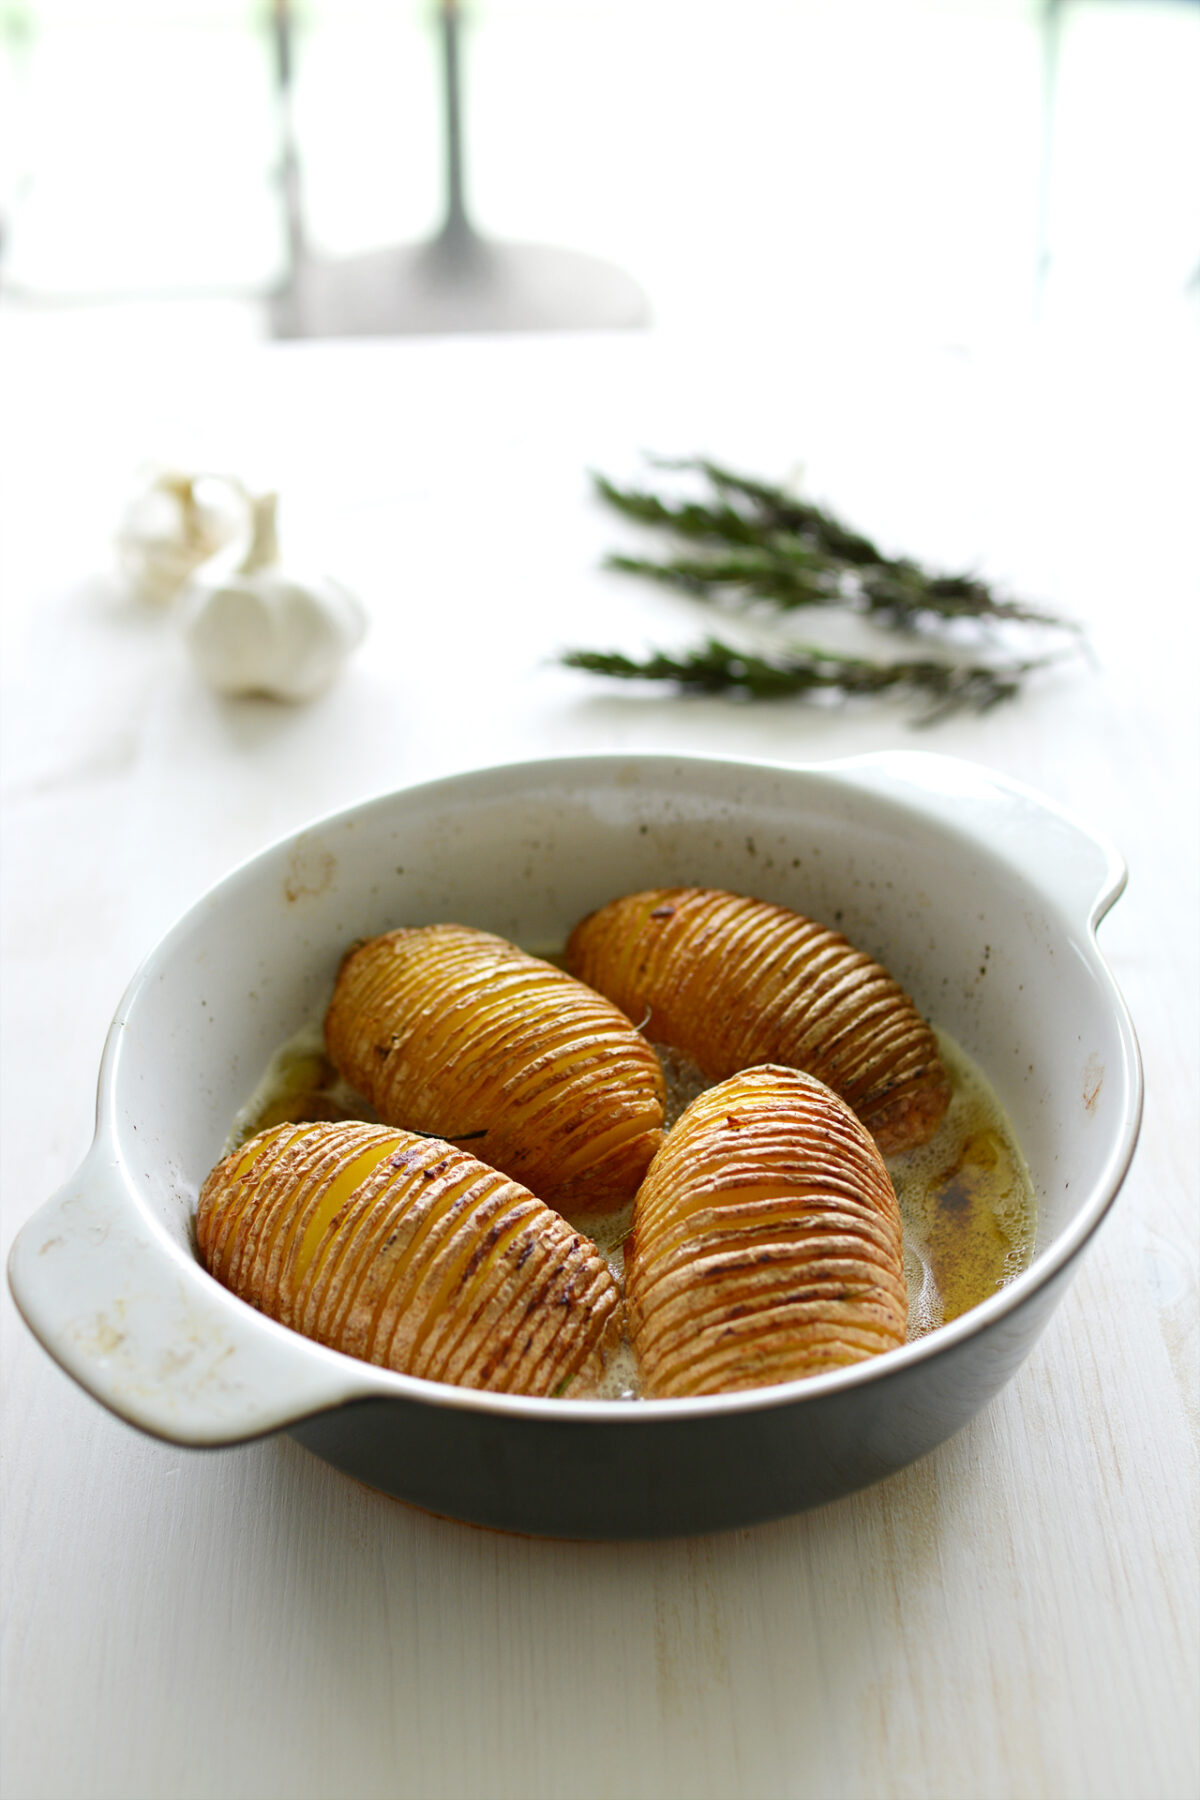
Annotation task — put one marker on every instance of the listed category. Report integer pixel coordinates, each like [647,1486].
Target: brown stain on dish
[1093,1081]
[101,1336]
[310,872]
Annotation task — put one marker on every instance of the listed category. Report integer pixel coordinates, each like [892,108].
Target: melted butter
[966,1198]
[967,1202]
[621,1379]
[299,1086]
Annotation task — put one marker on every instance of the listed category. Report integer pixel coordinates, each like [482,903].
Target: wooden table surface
[1014,1616]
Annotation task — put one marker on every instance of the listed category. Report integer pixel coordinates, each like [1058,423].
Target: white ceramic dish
[981,898]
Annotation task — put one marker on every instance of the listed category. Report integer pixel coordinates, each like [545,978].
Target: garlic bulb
[174,523]
[253,627]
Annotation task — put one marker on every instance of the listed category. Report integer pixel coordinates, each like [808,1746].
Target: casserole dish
[981,898]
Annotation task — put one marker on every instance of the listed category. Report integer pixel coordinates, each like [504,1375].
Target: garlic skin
[172,524]
[254,627]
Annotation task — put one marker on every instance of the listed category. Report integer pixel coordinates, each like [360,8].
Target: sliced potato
[410,1253]
[766,1241]
[731,982]
[450,1030]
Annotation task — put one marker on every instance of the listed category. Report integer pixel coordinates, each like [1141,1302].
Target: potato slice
[766,1241]
[410,1253]
[449,1030]
[732,982]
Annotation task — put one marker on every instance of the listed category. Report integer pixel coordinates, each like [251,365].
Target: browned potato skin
[766,1243]
[732,981]
[422,1260]
[450,1030]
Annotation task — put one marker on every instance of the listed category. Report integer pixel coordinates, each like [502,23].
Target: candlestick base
[457,283]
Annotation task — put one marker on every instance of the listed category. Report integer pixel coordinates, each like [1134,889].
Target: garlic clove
[174,522]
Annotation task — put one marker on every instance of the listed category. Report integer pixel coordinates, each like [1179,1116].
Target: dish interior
[986,955]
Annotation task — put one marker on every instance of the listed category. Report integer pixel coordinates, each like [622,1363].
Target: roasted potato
[410,1253]
[731,982]
[766,1241]
[450,1030]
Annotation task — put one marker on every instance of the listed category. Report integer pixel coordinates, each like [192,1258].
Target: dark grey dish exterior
[667,1476]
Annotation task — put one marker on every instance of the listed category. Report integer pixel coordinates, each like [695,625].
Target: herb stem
[715,667]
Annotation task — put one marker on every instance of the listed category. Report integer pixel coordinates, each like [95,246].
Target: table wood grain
[1015,1616]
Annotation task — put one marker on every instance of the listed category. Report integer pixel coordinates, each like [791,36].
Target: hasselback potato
[410,1253]
[450,1030]
[731,982]
[766,1242]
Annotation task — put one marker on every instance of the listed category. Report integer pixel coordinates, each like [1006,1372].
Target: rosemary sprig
[752,542]
[718,668]
[688,518]
[792,553]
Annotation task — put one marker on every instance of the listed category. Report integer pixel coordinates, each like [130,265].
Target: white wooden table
[1014,1616]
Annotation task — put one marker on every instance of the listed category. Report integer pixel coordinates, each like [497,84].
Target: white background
[1014,1616]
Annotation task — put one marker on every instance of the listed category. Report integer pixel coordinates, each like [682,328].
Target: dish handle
[180,1358]
[1078,869]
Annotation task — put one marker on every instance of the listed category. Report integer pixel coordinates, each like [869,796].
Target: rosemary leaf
[715,667]
[789,582]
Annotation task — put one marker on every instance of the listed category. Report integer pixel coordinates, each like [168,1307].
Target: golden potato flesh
[766,1242]
[732,982]
[410,1253]
[449,1030]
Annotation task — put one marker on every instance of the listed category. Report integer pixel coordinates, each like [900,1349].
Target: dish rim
[367,1381]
